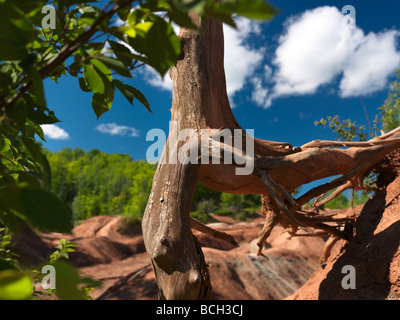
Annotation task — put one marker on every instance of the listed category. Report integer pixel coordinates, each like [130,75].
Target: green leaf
[37,84]
[54,254]
[93,80]
[123,13]
[194,5]
[164,46]
[46,210]
[40,207]
[138,95]
[102,103]
[15,285]
[222,15]
[122,52]
[5,145]
[130,93]
[14,34]
[36,152]
[83,86]
[32,128]
[182,19]
[68,281]
[27,6]
[121,87]
[116,65]
[160,46]
[9,220]
[5,80]
[253,9]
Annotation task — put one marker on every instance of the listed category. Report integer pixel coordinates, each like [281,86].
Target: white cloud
[317,49]
[260,93]
[368,68]
[117,130]
[51,131]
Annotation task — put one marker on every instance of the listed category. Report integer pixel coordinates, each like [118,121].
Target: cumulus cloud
[117,130]
[51,131]
[241,59]
[368,68]
[316,49]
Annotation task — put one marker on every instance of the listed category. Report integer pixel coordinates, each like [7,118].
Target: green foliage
[386,120]
[237,206]
[389,115]
[346,130]
[6,252]
[15,284]
[69,284]
[342,201]
[95,183]
[62,250]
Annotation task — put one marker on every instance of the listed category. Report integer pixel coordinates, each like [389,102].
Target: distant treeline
[95,183]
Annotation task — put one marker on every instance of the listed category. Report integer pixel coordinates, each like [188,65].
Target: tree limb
[314,192]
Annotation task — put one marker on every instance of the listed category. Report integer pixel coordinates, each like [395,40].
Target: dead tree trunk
[200,102]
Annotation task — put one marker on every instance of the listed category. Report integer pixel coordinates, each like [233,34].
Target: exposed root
[282,207]
[327,249]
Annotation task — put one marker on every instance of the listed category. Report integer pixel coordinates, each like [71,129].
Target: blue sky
[282,75]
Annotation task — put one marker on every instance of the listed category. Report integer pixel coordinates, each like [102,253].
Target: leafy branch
[76,47]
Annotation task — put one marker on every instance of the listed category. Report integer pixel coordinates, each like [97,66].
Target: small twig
[197,225]
[384,135]
[328,186]
[269,185]
[333,195]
